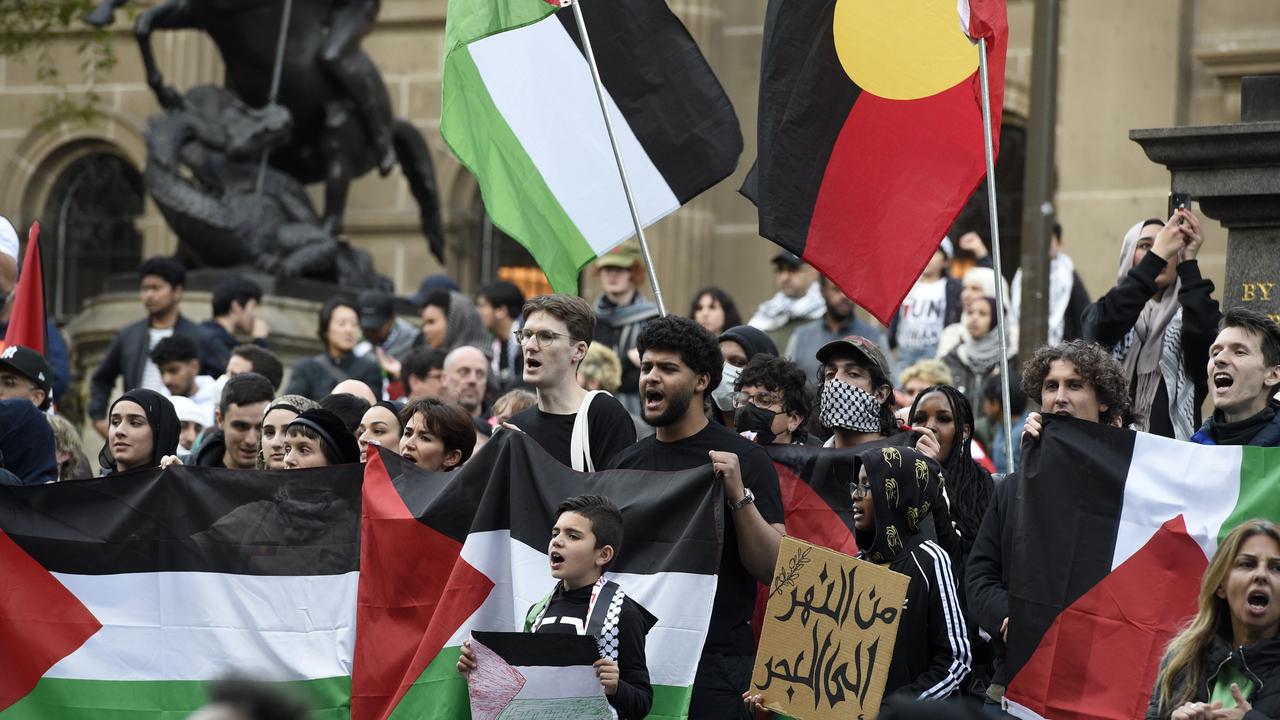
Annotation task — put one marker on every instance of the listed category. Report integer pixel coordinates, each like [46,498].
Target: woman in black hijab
[142,429]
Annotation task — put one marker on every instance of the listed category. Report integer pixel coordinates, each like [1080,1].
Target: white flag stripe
[541,84]
[680,601]
[547,682]
[202,626]
[1167,478]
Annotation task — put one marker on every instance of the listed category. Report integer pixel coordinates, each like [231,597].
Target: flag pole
[617,154]
[995,255]
[276,71]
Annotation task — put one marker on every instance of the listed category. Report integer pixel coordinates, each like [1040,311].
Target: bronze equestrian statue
[341,124]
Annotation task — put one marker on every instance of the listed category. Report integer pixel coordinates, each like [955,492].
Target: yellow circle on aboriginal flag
[903,49]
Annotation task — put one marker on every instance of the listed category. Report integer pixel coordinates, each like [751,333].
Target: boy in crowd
[585,542]
[239,418]
[1244,374]
[554,339]
[179,363]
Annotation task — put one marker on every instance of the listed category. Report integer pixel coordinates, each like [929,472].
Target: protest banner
[547,676]
[828,636]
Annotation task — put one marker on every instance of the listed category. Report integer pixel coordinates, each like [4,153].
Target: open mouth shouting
[557,561]
[1257,602]
[1222,381]
[653,400]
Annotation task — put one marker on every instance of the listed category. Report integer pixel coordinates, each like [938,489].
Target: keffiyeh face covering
[846,407]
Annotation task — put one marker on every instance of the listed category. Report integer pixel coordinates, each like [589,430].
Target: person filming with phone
[1159,321]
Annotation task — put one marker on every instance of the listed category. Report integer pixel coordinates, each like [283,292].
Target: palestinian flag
[120,597]
[536,672]
[478,562]
[1113,531]
[520,111]
[870,133]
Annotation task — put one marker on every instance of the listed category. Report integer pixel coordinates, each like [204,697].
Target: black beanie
[338,441]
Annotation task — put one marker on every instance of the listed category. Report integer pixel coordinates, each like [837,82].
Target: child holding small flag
[585,542]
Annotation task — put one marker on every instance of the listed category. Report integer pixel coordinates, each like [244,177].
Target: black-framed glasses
[858,490]
[543,337]
[760,400]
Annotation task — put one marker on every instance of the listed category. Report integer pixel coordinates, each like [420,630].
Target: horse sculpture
[333,138]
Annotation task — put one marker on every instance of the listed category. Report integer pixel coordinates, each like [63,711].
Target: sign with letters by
[828,634]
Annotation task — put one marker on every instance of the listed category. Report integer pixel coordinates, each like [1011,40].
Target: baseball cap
[31,365]
[624,256]
[861,348]
[374,306]
[9,242]
[787,257]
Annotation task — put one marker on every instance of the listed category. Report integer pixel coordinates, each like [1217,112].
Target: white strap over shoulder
[580,444]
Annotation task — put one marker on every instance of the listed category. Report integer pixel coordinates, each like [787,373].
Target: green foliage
[28,32]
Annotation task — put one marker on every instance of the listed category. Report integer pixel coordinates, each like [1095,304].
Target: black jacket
[987,573]
[931,655]
[212,451]
[1108,320]
[221,343]
[1259,661]
[314,377]
[127,355]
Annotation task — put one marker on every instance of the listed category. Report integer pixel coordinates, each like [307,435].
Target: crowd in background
[611,384]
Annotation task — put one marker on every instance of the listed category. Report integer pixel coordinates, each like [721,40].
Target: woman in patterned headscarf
[1159,321]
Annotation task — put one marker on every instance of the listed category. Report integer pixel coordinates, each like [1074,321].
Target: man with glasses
[581,430]
[772,401]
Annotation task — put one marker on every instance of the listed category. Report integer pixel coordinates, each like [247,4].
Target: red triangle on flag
[41,622]
[27,321]
[1100,657]
[415,592]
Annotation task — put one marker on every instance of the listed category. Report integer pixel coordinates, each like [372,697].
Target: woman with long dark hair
[946,412]
[1226,662]
[713,309]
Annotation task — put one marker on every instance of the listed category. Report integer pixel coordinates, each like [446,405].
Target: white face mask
[722,396]
[846,407]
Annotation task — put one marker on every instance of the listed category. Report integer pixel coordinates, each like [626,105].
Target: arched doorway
[89,230]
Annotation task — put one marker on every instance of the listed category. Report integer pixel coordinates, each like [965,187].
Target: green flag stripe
[441,693]
[516,196]
[1259,478]
[64,699]
[471,20]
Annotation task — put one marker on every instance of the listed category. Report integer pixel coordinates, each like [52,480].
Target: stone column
[1233,172]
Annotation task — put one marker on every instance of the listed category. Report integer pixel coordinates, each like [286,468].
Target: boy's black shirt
[730,629]
[635,695]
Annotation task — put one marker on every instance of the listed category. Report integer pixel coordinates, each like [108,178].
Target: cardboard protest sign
[828,636]
[535,676]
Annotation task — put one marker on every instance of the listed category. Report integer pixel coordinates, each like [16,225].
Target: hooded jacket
[931,655]
[1267,435]
[27,448]
[1260,662]
[163,420]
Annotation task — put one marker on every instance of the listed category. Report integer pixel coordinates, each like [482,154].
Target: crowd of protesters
[612,384]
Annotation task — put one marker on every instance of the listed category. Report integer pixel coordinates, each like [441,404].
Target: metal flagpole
[275,88]
[995,254]
[617,154]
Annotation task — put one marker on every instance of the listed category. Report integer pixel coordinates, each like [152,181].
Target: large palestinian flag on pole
[484,564]
[121,597]
[1113,531]
[521,112]
[870,134]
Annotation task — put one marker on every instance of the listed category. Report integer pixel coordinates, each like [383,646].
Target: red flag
[870,134]
[27,322]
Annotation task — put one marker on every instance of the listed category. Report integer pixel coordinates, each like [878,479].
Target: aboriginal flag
[870,133]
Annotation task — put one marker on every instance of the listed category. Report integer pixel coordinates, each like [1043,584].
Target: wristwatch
[748,497]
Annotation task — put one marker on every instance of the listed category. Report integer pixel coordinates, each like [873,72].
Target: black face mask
[756,420]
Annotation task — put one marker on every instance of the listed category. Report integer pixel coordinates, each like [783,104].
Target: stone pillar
[1233,172]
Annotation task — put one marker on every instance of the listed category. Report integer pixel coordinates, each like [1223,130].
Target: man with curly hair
[773,401]
[680,363]
[1075,378]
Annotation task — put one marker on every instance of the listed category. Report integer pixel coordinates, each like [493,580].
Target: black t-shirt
[730,630]
[567,612]
[608,424]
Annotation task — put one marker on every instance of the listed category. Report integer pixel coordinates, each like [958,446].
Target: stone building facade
[1139,63]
